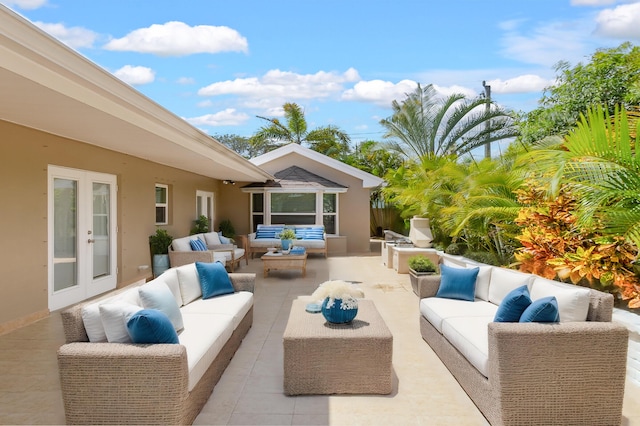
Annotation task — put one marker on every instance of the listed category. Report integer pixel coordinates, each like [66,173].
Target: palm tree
[328,140]
[599,162]
[427,124]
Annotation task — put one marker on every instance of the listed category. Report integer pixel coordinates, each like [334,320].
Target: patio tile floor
[250,391]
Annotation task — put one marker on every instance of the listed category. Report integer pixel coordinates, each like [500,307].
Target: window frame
[164,205]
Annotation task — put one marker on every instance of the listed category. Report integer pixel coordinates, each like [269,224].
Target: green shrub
[227,228]
[455,249]
[200,225]
[420,263]
[482,257]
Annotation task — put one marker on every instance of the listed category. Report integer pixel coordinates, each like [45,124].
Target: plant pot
[160,264]
[335,313]
[286,244]
[418,278]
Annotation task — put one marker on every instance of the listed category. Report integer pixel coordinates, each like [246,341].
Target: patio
[250,391]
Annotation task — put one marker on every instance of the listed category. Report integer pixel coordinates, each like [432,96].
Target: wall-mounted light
[229,182]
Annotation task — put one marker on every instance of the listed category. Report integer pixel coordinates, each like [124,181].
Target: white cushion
[452,262]
[189,283]
[181,244]
[503,281]
[91,314]
[266,242]
[204,335]
[482,282]
[573,301]
[114,316]
[170,277]
[157,295]
[212,238]
[310,244]
[237,253]
[470,336]
[235,305]
[438,309]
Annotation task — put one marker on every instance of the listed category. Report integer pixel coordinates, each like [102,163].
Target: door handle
[91,241]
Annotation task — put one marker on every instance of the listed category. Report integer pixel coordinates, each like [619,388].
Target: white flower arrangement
[338,289]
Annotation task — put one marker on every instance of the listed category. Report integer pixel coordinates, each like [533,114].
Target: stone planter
[417,278]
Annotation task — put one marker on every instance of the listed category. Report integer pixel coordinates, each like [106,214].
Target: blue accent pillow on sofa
[542,310]
[513,305]
[151,326]
[457,283]
[214,279]
[197,245]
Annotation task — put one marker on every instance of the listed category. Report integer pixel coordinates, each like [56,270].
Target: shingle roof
[295,177]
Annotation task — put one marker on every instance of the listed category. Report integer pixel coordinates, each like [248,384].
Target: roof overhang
[368,180]
[47,86]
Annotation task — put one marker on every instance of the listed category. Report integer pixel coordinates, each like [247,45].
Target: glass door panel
[100,236]
[65,233]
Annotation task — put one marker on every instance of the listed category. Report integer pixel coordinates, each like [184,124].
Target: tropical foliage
[427,124]
[328,140]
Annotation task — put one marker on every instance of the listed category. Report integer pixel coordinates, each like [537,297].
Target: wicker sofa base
[93,396]
[572,376]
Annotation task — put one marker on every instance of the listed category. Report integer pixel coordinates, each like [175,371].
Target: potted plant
[421,269]
[159,244]
[227,229]
[339,300]
[286,238]
[200,225]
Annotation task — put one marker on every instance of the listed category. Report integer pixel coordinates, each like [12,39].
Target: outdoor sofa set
[311,237]
[213,249]
[570,372]
[105,378]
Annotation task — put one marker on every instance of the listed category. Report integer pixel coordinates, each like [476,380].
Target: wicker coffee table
[324,358]
[273,262]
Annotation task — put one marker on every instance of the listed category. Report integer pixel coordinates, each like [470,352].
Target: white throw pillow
[483,281]
[181,244]
[212,238]
[114,316]
[157,295]
[573,301]
[91,314]
[189,283]
[503,280]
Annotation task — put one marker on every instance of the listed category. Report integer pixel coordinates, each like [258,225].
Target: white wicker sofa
[312,237]
[181,252]
[566,373]
[128,383]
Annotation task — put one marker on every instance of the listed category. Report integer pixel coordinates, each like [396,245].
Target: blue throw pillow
[197,245]
[314,233]
[214,279]
[457,283]
[223,239]
[513,305]
[542,310]
[151,326]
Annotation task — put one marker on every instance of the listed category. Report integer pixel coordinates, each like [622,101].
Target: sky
[221,65]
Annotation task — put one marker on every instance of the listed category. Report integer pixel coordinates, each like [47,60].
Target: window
[295,208]
[162,204]
[330,213]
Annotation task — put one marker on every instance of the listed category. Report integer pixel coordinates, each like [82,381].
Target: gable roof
[47,86]
[368,180]
[295,178]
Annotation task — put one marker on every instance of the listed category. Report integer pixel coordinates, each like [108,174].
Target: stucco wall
[353,213]
[24,157]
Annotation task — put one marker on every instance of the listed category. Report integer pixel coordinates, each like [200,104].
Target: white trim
[368,180]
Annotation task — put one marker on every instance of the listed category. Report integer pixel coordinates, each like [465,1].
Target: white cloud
[135,75]
[592,2]
[622,22]
[545,44]
[379,92]
[186,80]
[179,39]
[228,117]
[74,37]
[25,4]
[277,87]
[522,84]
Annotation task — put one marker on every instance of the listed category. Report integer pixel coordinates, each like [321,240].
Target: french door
[204,206]
[82,235]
